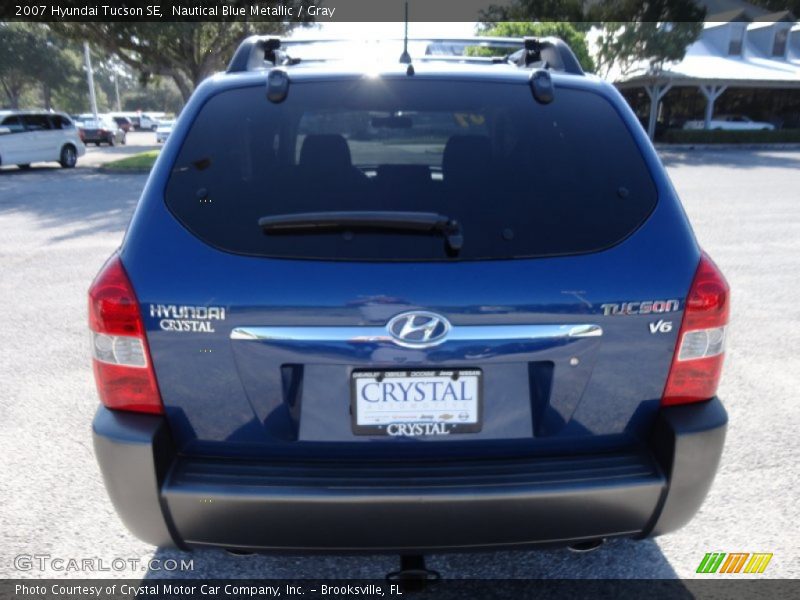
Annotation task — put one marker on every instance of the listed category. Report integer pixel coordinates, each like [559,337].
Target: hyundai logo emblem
[418,329]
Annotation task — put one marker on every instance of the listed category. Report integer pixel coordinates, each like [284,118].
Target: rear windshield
[520,178]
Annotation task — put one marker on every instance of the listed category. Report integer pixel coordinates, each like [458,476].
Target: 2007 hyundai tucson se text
[439,305]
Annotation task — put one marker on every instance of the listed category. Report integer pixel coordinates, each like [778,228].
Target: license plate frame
[451,427]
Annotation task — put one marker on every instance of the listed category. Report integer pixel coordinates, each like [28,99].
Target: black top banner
[321,11]
[326,11]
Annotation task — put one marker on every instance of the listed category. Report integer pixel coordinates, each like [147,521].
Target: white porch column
[656,92]
[711,93]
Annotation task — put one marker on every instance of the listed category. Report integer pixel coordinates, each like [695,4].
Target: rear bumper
[95,138]
[166,499]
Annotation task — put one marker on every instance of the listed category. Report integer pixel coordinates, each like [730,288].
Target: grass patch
[138,162]
[699,136]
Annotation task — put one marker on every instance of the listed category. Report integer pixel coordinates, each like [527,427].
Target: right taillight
[122,367]
[697,362]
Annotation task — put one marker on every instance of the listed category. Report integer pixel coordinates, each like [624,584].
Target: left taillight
[123,370]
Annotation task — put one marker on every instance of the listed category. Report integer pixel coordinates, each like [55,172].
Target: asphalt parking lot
[58,226]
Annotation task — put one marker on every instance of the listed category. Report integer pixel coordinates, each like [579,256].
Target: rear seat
[407,187]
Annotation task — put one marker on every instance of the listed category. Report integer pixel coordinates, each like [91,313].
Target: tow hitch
[413,574]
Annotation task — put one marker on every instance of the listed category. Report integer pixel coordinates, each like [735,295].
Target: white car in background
[149,121]
[163,130]
[28,136]
[730,123]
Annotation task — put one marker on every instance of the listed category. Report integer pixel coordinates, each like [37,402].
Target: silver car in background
[163,130]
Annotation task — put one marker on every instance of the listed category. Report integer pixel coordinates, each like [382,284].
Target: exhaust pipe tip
[587,546]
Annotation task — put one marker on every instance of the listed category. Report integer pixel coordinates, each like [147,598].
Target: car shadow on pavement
[739,159]
[70,203]
[617,559]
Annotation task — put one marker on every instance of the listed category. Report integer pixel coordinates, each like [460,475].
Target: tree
[186,52]
[779,5]
[566,31]
[73,96]
[63,73]
[14,76]
[573,11]
[160,94]
[39,60]
[653,32]
[631,31]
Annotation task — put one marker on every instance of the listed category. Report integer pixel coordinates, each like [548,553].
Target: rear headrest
[325,151]
[466,157]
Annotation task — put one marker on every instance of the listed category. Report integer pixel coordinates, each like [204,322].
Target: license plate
[416,403]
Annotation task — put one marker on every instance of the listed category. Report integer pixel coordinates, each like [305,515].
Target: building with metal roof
[742,49]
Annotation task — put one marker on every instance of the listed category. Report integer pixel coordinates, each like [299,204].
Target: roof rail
[550,52]
[254,51]
[529,52]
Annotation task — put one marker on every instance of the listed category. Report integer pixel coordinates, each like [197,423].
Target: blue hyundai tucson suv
[431,305]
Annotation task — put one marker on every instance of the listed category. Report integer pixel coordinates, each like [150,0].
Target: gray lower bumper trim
[687,441]
[134,453]
[165,499]
[429,506]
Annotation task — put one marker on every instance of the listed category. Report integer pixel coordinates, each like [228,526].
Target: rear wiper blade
[423,222]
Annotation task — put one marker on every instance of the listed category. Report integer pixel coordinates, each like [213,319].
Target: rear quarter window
[13,124]
[523,179]
[61,122]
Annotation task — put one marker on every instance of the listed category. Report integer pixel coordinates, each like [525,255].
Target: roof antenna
[405,57]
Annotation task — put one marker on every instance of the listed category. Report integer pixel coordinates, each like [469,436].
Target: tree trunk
[184,87]
[12,93]
[47,96]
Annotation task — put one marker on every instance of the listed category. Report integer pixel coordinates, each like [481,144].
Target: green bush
[701,136]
